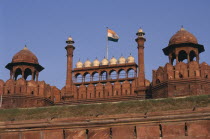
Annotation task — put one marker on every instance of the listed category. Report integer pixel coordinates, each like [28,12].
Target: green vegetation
[94,110]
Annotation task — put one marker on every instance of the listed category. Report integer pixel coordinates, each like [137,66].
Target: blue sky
[44,25]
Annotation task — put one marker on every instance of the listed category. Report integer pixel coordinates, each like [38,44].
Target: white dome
[140,30]
[130,59]
[70,39]
[79,64]
[96,62]
[104,62]
[113,61]
[122,60]
[87,63]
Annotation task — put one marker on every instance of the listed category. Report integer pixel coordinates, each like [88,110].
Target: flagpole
[107,48]
[1,101]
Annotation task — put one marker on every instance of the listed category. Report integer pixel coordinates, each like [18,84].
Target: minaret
[70,49]
[141,75]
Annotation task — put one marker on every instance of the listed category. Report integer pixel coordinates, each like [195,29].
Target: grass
[94,110]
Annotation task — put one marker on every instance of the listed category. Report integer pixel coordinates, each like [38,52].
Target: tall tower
[70,49]
[140,90]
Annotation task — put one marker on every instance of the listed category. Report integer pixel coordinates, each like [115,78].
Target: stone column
[37,76]
[170,59]
[32,76]
[177,60]
[23,73]
[197,58]
[188,58]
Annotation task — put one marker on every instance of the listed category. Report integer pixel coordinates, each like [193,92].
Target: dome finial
[25,47]
[182,28]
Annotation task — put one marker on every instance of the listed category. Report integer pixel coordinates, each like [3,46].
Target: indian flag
[112,36]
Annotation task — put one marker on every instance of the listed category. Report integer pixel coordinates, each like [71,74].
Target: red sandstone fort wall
[185,124]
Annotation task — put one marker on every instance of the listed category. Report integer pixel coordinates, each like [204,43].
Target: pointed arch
[192,55]
[95,76]
[87,77]
[104,75]
[27,73]
[78,78]
[182,56]
[113,74]
[18,73]
[131,73]
[122,73]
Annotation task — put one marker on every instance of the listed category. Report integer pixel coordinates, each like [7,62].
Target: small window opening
[157,81]
[186,129]
[110,133]
[161,132]
[135,132]
[180,75]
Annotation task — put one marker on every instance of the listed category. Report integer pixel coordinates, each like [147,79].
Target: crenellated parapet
[183,79]
[181,71]
[115,90]
[22,93]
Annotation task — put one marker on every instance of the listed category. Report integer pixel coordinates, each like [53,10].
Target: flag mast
[1,101]
[107,43]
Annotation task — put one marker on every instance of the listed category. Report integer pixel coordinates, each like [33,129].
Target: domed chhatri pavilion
[24,63]
[22,91]
[107,80]
[183,75]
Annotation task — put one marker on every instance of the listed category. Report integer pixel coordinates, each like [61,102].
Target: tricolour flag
[112,36]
